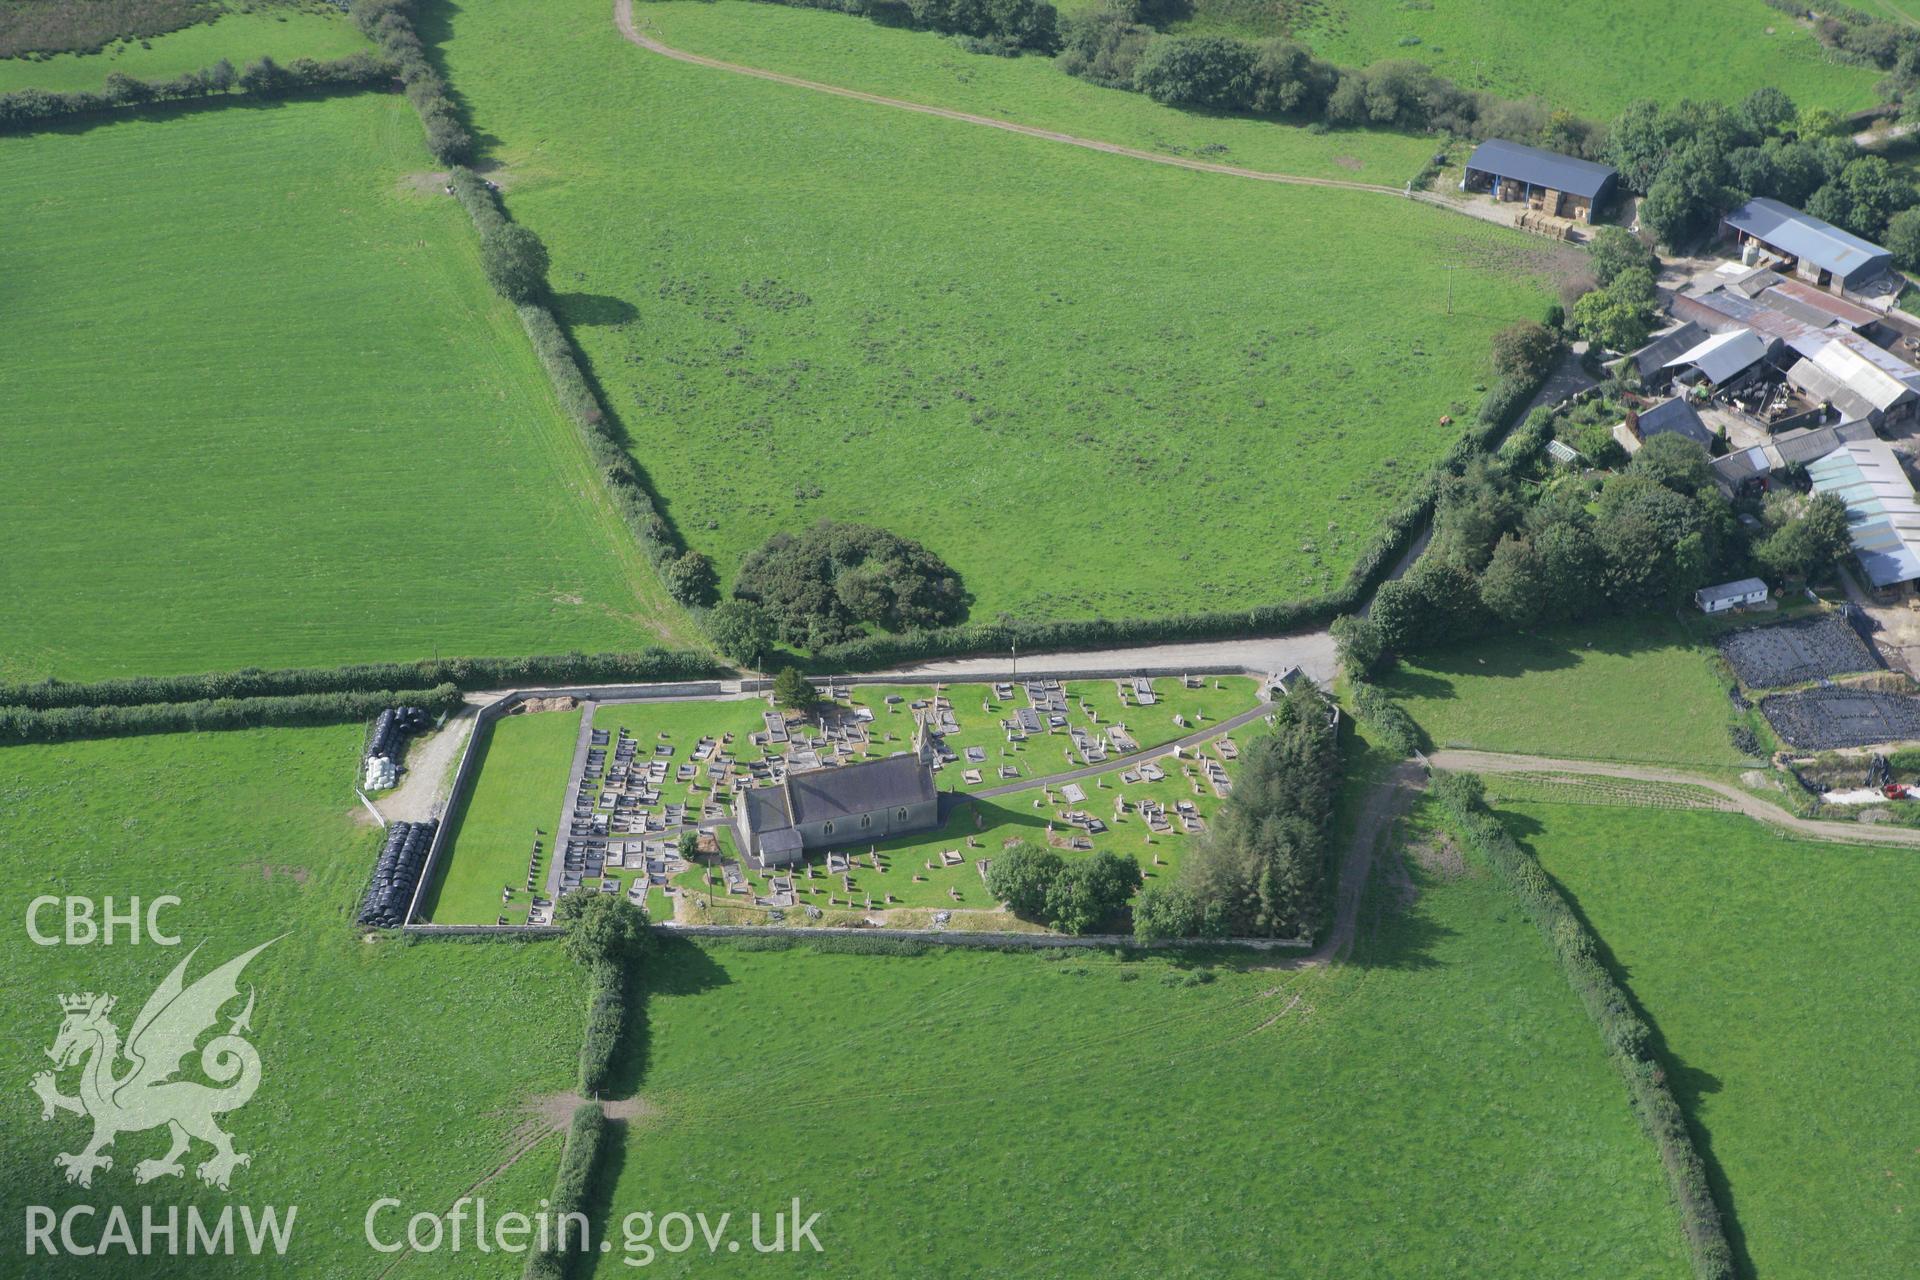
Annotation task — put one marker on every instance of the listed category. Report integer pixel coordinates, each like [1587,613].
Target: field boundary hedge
[626,483]
[1628,1039]
[606,1020]
[1396,729]
[264,80]
[389,24]
[571,1183]
[60,724]
[645,665]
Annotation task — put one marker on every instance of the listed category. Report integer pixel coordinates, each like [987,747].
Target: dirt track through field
[623,19]
[1750,805]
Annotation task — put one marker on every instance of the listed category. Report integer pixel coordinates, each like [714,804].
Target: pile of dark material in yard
[397,873]
[390,731]
[1828,719]
[1796,652]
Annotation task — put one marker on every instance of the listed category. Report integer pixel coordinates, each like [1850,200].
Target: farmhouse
[1883,517]
[1730,595]
[820,808]
[1553,184]
[1775,233]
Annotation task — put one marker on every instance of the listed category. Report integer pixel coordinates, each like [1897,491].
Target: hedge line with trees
[62,26]
[59,724]
[571,1185]
[1261,870]
[1122,45]
[606,935]
[1004,27]
[462,673]
[24,110]
[516,262]
[389,23]
[1628,1039]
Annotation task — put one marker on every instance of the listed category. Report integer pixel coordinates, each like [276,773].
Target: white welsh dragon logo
[146,1096]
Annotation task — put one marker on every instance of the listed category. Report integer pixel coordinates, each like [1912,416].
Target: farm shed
[1730,595]
[821,808]
[1860,380]
[1671,417]
[1652,358]
[1806,246]
[1741,468]
[1557,185]
[1810,444]
[1882,516]
[1721,358]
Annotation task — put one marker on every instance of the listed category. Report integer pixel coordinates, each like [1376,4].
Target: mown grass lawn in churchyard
[1779,974]
[1094,385]
[1441,1104]
[387,1069]
[524,759]
[280,32]
[268,412]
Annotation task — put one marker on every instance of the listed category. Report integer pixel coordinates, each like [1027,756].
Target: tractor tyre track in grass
[1750,805]
[624,20]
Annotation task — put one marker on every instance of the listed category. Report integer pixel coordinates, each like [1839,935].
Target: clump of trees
[794,691]
[828,583]
[1695,161]
[1262,869]
[1620,314]
[515,262]
[1079,896]
[1517,545]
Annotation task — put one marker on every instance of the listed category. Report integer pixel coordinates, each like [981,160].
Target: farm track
[1750,805]
[623,19]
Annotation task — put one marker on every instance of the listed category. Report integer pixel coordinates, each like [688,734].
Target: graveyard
[561,802]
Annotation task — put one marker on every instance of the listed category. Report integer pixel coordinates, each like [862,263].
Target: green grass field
[524,761]
[918,66]
[268,412]
[1438,1107]
[383,1071]
[280,33]
[1633,689]
[1780,975]
[1593,59]
[803,307]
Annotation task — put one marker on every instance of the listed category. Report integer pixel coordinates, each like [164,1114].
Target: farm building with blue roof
[1557,185]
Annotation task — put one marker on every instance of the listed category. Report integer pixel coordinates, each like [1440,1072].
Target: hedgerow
[58,724]
[24,110]
[606,1019]
[621,474]
[461,673]
[389,23]
[1628,1039]
[571,1186]
[1393,728]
